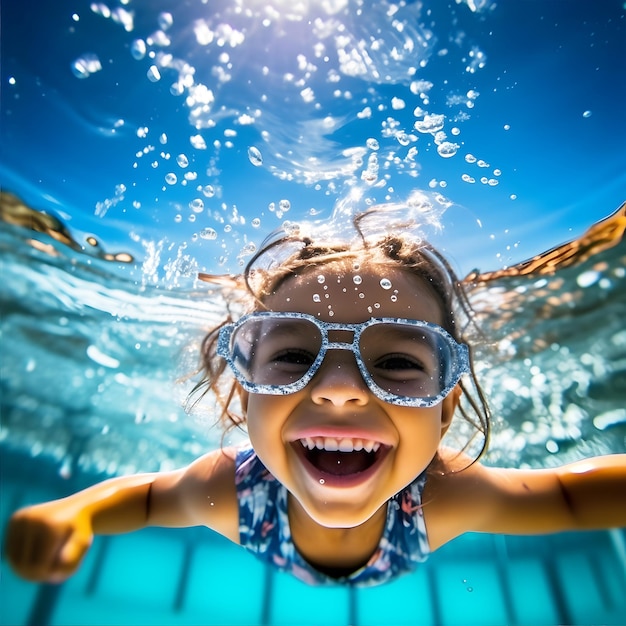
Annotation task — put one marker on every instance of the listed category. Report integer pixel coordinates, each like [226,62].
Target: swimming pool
[191,577]
[167,138]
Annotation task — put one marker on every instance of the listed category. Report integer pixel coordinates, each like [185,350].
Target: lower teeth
[341,463]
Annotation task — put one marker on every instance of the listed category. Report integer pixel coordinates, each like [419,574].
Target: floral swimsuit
[264,528]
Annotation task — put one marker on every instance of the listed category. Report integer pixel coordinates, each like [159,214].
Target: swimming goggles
[403,362]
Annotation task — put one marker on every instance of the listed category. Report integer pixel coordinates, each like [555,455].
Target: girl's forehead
[353,293]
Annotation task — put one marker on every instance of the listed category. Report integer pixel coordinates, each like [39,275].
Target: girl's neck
[336,552]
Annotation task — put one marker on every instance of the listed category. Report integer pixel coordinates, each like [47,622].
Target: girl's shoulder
[458,465]
[452,495]
[214,466]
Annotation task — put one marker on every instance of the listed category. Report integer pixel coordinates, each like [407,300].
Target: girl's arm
[586,495]
[47,542]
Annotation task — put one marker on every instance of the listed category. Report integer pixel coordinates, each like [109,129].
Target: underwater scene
[145,142]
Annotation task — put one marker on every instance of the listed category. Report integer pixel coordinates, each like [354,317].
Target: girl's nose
[339,382]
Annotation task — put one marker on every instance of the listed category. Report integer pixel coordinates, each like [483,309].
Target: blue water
[91,358]
[238,116]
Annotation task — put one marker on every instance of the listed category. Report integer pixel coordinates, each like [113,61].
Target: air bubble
[208,233]
[284,205]
[256,222]
[357,280]
[372,144]
[447,149]
[321,279]
[208,191]
[153,74]
[170,178]
[430,124]
[86,65]
[198,142]
[196,205]
[316,297]
[165,20]
[255,156]
[182,160]
[138,49]
[403,139]
[249,248]
[552,447]
[586,279]
[385,283]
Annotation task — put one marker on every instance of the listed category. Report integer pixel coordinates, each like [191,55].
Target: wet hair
[290,253]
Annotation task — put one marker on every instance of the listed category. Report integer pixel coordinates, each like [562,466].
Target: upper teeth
[345,444]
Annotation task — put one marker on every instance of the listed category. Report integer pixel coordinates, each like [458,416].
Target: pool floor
[170,577]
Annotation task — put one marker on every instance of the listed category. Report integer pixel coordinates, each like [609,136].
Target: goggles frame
[459,351]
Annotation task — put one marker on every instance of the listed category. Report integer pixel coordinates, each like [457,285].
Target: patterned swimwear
[264,528]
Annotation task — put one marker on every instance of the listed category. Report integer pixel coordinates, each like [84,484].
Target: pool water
[96,396]
[144,141]
[193,576]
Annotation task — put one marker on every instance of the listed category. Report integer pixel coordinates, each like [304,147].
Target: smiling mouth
[344,457]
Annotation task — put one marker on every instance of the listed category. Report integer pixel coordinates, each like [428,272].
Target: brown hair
[290,253]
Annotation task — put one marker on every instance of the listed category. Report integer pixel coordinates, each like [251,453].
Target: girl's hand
[47,542]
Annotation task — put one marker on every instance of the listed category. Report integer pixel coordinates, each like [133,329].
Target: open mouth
[341,459]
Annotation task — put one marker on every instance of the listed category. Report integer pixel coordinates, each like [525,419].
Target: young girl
[346,364]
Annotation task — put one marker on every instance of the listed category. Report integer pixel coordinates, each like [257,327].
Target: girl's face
[383,447]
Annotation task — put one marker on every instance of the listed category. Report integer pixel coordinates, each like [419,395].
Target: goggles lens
[405,362]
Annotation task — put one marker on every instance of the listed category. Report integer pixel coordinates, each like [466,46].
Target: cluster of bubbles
[331,73]
[492,180]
